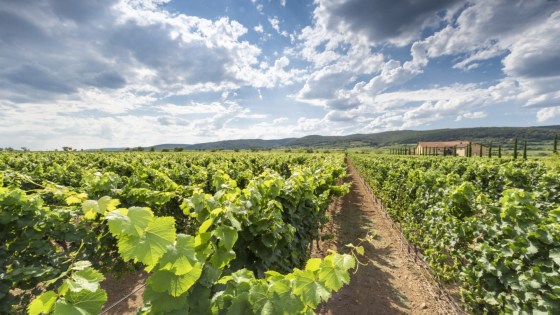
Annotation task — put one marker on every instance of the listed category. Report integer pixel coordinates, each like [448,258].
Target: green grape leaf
[42,304]
[532,249]
[205,226]
[311,291]
[118,222]
[199,299]
[283,301]
[87,279]
[81,265]
[554,254]
[163,303]
[181,258]
[360,250]
[313,264]
[333,276]
[90,209]
[239,304]
[149,247]
[129,222]
[166,281]
[82,303]
[222,257]
[258,296]
[242,275]
[227,236]
[77,198]
[107,204]
[344,261]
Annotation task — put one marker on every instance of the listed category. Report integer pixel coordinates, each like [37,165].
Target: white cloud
[193,108]
[475,31]
[96,74]
[486,29]
[475,115]
[535,54]
[275,23]
[548,113]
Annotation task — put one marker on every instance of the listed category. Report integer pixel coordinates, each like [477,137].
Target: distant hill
[480,134]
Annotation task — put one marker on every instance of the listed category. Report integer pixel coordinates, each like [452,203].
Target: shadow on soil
[370,290]
[119,288]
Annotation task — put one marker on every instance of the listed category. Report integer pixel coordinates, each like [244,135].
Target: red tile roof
[444,144]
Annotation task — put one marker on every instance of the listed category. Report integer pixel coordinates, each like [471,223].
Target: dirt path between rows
[390,283]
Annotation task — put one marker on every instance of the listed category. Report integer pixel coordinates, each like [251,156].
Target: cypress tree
[500,151]
[480,152]
[455,151]
[490,150]
[525,150]
[555,146]
[515,149]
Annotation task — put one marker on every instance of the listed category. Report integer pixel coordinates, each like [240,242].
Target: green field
[488,226]
[218,233]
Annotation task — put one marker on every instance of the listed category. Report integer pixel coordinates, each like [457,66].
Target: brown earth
[119,288]
[390,283]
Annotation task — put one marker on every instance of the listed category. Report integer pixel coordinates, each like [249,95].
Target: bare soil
[119,288]
[390,283]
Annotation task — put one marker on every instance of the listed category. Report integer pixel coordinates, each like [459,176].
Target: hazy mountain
[481,134]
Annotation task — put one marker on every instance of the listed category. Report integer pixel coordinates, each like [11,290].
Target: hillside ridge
[385,138]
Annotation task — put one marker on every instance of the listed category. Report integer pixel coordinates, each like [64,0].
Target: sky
[94,74]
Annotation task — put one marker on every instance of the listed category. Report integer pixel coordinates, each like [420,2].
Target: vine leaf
[308,288]
[227,236]
[180,258]
[151,245]
[83,303]
[44,303]
[554,254]
[333,276]
[166,281]
[87,279]
[129,222]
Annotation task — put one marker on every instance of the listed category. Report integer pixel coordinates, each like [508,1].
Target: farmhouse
[458,148]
